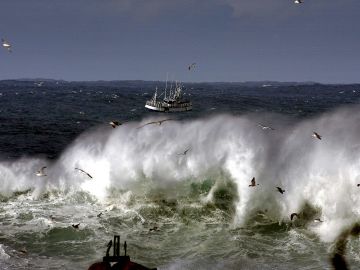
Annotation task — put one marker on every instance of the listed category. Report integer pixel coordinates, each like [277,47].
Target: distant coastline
[154,82]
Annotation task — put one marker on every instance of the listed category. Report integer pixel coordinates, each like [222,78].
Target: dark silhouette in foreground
[338,257]
[117,262]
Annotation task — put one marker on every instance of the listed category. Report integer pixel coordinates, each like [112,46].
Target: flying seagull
[156,122]
[23,250]
[41,172]
[265,127]
[185,152]
[318,220]
[191,66]
[84,172]
[39,84]
[6,45]
[280,190]
[253,183]
[155,228]
[298,2]
[316,135]
[294,215]
[76,226]
[114,124]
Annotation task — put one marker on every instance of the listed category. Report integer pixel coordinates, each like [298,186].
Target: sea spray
[320,173]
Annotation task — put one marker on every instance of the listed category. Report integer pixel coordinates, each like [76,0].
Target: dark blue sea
[205,214]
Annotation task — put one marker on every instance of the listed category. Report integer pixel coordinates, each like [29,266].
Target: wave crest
[320,173]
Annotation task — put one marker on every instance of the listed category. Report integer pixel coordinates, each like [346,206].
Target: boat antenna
[173,90]
[155,95]
[171,85]
[167,75]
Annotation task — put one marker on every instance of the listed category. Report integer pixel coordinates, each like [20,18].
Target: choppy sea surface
[193,211]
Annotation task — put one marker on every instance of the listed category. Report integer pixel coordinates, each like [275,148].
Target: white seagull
[39,84]
[318,220]
[265,127]
[41,172]
[316,135]
[114,124]
[6,45]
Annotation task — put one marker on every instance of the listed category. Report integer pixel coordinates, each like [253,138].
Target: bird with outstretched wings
[156,122]
[89,175]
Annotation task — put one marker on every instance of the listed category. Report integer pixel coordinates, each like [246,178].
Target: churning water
[206,214]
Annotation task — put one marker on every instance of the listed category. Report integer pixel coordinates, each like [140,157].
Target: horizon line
[191,82]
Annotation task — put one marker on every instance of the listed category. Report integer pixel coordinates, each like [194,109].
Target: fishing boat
[172,101]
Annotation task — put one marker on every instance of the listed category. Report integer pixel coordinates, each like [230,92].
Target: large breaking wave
[320,176]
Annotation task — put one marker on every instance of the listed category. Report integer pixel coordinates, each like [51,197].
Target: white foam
[3,255]
[323,173]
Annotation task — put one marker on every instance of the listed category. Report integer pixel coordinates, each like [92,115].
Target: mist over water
[208,216]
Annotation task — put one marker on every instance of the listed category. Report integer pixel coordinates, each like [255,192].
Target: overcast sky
[230,40]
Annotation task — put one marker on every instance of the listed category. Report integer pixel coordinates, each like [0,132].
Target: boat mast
[155,95]
[171,88]
[167,74]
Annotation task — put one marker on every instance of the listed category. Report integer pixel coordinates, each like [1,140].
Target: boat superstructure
[117,261]
[172,101]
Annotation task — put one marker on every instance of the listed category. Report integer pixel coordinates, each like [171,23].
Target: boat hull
[168,109]
[171,103]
